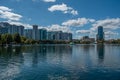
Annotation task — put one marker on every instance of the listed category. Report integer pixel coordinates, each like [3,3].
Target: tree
[17,38]
[6,38]
[9,38]
[0,37]
[23,39]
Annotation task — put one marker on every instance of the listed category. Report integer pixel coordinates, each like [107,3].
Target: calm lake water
[60,62]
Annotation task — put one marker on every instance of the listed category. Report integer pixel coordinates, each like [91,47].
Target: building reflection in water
[46,54]
[101,52]
[59,53]
[39,54]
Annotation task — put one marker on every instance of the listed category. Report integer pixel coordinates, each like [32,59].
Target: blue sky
[81,17]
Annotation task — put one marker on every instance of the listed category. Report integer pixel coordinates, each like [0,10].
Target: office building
[42,34]
[28,33]
[59,35]
[35,32]
[66,36]
[100,34]
[50,35]
[88,39]
[3,30]
[12,29]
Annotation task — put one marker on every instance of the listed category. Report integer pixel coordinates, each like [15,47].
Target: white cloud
[111,33]
[108,24]
[3,8]
[26,26]
[49,0]
[6,13]
[56,27]
[82,31]
[64,8]
[77,22]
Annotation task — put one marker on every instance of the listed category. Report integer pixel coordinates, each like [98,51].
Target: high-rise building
[12,29]
[70,36]
[100,35]
[35,32]
[42,33]
[50,35]
[3,30]
[21,30]
[87,38]
[66,36]
[54,35]
[59,35]
[28,33]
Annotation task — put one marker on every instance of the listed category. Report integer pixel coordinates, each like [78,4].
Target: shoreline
[9,45]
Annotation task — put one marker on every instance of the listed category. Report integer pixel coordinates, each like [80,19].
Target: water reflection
[46,53]
[57,62]
[11,52]
[11,59]
[101,52]
[56,54]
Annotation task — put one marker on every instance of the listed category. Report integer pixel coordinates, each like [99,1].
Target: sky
[80,17]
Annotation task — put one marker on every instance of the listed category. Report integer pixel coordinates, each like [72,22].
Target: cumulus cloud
[82,31]
[109,24]
[63,8]
[111,33]
[53,27]
[78,22]
[6,13]
[49,0]
[26,26]
[3,8]
[56,27]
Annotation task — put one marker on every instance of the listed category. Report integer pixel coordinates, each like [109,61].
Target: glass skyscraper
[42,34]
[100,35]
[35,32]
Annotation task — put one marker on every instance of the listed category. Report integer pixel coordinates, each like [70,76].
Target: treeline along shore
[16,39]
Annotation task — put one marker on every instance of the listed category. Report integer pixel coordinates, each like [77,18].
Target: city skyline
[79,17]
[35,33]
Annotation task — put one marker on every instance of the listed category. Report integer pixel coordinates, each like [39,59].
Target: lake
[60,62]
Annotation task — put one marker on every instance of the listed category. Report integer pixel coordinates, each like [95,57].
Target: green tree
[17,38]
[0,37]
[6,38]
[23,39]
[9,38]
